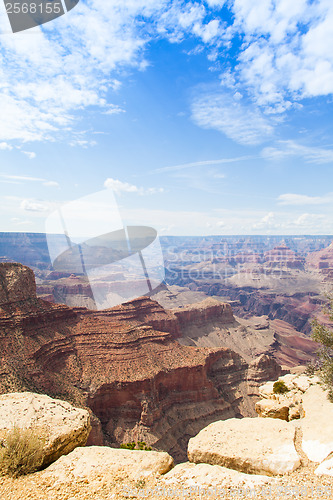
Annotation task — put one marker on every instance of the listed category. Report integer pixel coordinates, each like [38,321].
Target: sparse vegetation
[141,483]
[279,387]
[324,336]
[21,452]
[140,445]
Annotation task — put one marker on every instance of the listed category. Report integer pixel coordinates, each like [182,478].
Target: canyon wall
[125,364]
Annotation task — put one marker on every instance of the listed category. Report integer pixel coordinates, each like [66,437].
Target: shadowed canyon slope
[249,336]
[124,363]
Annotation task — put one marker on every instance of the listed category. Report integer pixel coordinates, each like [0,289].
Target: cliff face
[207,310]
[283,256]
[124,363]
[322,261]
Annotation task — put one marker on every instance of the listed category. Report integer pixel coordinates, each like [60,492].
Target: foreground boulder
[208,477]
[304,399]
[61,425]
[273,409]
[93,462]
[325,468]
[317,424]
[250,445]
[287,406]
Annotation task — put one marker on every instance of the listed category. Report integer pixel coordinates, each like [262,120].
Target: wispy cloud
[203,163]
[51,184]
[302,199]
[291,148]
[22,178]
[26,178]
[242,123]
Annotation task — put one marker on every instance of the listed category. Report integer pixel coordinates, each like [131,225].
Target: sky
[201,117]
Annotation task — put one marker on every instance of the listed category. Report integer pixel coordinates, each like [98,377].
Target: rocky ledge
[233,458]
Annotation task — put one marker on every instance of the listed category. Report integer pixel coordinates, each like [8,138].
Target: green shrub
[128,446]
[324,336]
[279,387]
[140,445]
[21,452]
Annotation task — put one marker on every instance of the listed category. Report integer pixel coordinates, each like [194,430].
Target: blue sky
[206,117]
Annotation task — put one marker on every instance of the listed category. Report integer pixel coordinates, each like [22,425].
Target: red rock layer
[124,363]
[291,347]
[208,309]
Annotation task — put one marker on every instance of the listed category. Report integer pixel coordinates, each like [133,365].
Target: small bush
[21,452]
[324,336]
[140,445]
[279,387]
[128,446]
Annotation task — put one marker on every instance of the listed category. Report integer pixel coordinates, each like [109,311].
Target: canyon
[125,364]
[161,367]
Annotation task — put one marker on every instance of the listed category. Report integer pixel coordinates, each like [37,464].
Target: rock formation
[234,458]
[124,363]
[62,426]
[282,255]
[94,461]
[322,261]
[248,445]
[307,405]
[211,323]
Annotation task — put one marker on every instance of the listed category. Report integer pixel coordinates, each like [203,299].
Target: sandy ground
[302,484]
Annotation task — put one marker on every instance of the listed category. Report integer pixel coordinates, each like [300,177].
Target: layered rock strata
[125,364]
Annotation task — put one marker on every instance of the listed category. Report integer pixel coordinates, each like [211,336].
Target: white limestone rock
[317,424]
[63,426]
[250,445]
[207,478]
[93,462]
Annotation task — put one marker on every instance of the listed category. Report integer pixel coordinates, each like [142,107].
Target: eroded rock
[256,446]
[63,426]
[210,477]
[325,468]
[272,408]
[92,462]
[317,424]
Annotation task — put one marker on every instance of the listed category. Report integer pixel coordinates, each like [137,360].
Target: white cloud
[268,221]
[241,123]
[34,205]
[75,62]
[282,63]
[291,148]
[113,109]
[124,187]
[209,31]
[4,146]
[82,143]
[309,220]
[30,154]
[216,3]
[119,186]
[78,61]
[302,199]
[51,184]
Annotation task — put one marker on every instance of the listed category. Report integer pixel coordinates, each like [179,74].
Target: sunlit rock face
[125,364]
